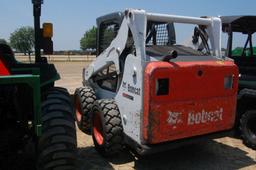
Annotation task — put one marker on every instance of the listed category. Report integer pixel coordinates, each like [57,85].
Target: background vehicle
[36,118]
[243,28]
[147,90]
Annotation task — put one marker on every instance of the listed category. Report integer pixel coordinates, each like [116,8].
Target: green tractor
[37,126]
[243,29]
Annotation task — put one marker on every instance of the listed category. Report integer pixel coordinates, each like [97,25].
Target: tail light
[228,82]
[162,86]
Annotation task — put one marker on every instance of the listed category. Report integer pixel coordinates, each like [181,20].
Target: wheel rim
[97,129]
[78,110]
[251,126]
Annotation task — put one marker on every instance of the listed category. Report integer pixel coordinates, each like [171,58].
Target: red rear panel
[200,98]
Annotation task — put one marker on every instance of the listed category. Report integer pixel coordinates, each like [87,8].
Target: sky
[71,18]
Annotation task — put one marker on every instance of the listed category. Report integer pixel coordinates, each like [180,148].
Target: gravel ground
[224,153]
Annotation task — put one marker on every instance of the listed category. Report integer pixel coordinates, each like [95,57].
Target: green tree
[89,39]
[23,40]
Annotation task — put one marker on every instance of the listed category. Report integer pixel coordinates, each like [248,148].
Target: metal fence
[51,58]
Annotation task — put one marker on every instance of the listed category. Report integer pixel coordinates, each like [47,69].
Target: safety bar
[178,19]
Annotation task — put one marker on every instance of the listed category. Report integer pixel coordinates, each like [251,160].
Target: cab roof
[244,24]
[112,17]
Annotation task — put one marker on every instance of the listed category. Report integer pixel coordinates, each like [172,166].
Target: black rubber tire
[58,144]
[112,129]
[58,93]
[84,100]
[248,128]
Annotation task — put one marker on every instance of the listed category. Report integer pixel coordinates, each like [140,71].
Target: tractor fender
[4,61]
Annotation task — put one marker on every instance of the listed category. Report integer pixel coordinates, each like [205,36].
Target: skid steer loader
[243,28]
[152,91]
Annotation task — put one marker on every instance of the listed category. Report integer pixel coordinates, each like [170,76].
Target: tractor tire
[107,130]
[248,128]
[84,100]
[57,144]
[59,90]
[59,94]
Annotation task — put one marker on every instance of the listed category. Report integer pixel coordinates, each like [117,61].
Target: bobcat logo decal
[174,118]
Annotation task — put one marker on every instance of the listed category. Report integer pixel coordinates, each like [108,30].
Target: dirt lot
[224,153]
